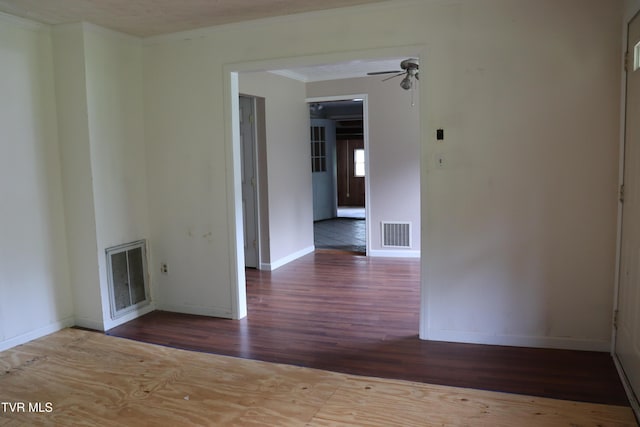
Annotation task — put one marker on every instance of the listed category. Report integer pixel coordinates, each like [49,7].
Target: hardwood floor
[360,316]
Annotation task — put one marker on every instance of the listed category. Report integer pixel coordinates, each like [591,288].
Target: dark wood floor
[359,315]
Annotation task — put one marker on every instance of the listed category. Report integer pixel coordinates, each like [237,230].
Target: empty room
[161,169]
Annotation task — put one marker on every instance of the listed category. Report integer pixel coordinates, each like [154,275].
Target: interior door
[628,317]
[351,188]
[323,148]
[249,188]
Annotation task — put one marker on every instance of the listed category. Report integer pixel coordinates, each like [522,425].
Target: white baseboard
[287,259]
[224,313]
[129,316]
[518,340]
[37,333]
[393,253]
[89,324]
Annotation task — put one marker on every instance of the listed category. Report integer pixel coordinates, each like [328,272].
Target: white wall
[394,154]
[290,196]
[631,7]
[184,135]
[73,131]
[518,230]
[118,156]
[34,276]
[99,95]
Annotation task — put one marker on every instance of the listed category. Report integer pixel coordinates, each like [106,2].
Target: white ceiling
[145,18]
[342,70]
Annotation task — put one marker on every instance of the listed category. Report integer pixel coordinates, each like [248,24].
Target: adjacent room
[165,170]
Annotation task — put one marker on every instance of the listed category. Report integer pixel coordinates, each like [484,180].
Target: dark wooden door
[350,165]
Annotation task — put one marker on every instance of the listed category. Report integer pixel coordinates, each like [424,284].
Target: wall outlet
[163,268]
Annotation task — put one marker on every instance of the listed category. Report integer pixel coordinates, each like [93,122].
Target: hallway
[345,233]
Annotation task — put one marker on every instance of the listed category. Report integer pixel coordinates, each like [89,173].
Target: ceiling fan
[410,69]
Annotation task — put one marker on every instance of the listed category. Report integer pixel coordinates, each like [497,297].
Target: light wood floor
[87,378]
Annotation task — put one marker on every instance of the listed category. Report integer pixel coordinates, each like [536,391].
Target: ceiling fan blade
[397,75]
[377,73]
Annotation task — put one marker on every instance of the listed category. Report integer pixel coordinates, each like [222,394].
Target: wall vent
[396,234]
[127,271]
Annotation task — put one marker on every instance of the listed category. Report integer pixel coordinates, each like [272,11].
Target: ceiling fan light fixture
[406,83]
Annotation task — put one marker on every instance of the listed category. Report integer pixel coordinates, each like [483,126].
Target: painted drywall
[99,95]
[184,136]
[113,64]
[290,196]
[520,248]
[34,276]
[518,229]
[394,154]
[73,131]
[631,8]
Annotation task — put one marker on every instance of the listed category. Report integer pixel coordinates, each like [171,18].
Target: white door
[628,324]
[249,177]
[323,168]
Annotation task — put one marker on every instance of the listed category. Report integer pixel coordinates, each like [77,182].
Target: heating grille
[396,234]
[127,270]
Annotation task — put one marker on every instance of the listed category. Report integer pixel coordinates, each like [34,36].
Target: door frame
[230,81]
[256,176]
[629,16]
[365,131]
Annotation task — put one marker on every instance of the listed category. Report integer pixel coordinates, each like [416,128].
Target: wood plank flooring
[359,315]
[76,377]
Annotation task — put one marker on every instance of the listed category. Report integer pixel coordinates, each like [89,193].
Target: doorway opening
[249,177]
[338,165]
[284,202]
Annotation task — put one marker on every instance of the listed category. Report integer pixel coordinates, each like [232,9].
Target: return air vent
[396,234]
[127,270]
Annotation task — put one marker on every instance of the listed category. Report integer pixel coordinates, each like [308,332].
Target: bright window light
[358,162]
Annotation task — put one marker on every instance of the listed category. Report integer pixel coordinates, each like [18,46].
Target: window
[358,162]
[318,149]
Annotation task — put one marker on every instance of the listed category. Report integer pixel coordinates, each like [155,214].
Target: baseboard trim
[519,340]
[37,333]
[129,316]
[89,324]
[287,259]
[393,253]
[198,311]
